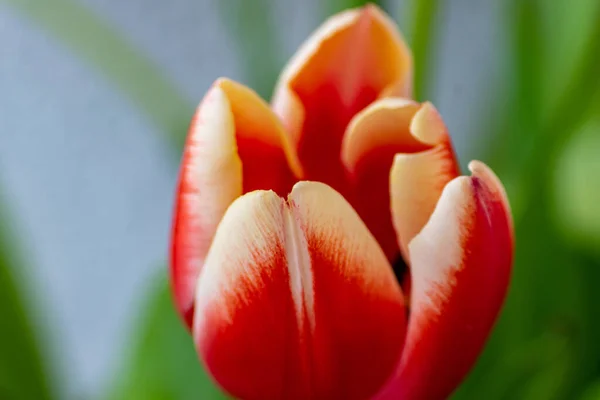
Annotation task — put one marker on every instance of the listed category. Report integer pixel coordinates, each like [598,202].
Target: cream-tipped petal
[460,265]
[354,58]
[261,139]
[235,144]
[417,179]
[384,124]
[399,157]
[416,183]
[210,179]
[296,300]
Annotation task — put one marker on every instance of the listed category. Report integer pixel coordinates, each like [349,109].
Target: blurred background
[96,97]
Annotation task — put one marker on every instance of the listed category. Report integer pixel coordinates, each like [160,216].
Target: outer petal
[461,264]
[351,60]
[235,144]
[413,138]
[297,300]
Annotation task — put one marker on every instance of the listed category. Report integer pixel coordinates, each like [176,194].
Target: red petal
[461,264]
[235,144]
[297,301]
[414,138]
[351,60]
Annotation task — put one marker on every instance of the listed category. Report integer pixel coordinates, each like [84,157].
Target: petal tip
[340,23]
[481,171]
[370,12]
[379,124]
[428,126]
[220,81]
[329,28]
[307,185]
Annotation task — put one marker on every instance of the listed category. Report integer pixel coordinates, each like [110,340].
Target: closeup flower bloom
[289,220]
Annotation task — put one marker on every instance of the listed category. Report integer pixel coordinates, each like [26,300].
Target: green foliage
[576,196]
[334,6]
[592,392]
[423,26]
[256,42]
[162,364]
[22,368]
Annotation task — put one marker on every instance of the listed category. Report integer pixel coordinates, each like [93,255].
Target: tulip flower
[290,217]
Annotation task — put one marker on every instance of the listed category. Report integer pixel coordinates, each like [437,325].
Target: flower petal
[235,144]
[417,179]
[410,140]
[296,300]
[351,60]
[461,263]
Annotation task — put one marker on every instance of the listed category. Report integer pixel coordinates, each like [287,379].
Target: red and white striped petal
[460,265]
[354,58]
[235,144]
[410,140]
[296,300]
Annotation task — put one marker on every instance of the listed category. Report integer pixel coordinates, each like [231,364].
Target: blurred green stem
[335,6]
[97,42]
[424,31]
[252,27]
[517,130]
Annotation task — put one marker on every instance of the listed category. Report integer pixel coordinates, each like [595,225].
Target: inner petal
[349,62]
[383,132]
[269,162]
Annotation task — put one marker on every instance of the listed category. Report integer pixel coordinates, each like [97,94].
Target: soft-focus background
[96,96]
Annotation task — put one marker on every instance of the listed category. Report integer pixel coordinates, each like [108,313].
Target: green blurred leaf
[522,368]
[592,392]
[101,46]
[534,154]
[163,364]
[423,31]
[567,26]
[516,130]
[22,368]
[257,42]
[335,6]
[576,196]
[574,201]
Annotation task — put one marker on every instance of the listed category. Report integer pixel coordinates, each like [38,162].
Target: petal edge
[235,144]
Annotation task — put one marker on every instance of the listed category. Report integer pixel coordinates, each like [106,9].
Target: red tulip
[288,221]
